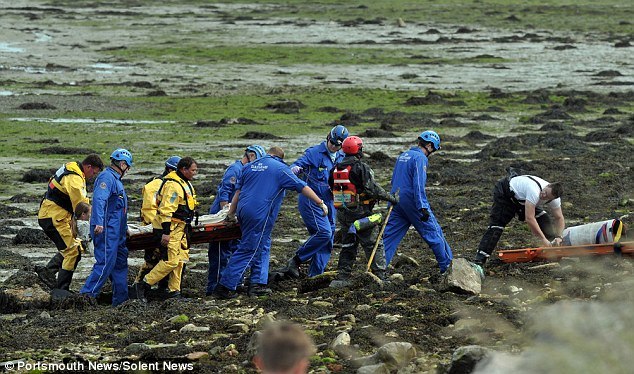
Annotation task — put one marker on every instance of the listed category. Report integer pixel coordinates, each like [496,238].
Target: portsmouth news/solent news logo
[97,366]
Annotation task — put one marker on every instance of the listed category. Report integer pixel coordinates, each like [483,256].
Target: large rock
[396,355]
[465,359]
[374,369]
[461,278]
[341,345]
[341,339]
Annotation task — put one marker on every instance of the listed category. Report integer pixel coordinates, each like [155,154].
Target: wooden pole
[378,238]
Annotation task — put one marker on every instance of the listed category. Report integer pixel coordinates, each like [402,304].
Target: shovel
[378,238]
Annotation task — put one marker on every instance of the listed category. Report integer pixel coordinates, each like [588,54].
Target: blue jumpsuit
[261,192]
[410,177]
[109,209]
[219,252]
[316,164]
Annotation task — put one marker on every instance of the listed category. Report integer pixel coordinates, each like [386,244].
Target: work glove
[296,169]
[424,214]
[231,218]
[393,198]
[324,208]
[557,241]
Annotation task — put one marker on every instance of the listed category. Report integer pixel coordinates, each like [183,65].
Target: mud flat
[205,79]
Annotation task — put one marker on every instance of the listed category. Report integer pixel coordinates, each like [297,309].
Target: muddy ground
[591,154]
[595,169]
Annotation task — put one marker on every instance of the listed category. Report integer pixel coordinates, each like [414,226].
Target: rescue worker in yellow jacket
[148,211]
[176,206]
[66,189]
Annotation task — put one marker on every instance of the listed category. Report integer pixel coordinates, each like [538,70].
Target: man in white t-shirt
[533,200]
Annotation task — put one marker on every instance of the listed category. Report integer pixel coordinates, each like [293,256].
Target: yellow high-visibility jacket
[176,200]
[150,205]
[66,189]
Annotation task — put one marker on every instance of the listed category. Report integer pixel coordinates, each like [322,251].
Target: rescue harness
[184,212]
[54,194]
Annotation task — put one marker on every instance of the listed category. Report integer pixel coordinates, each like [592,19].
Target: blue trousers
[401,219]
[253,252]
[111,255]
[219,254]
[318,247]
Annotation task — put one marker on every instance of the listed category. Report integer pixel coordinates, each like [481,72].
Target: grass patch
[284,55]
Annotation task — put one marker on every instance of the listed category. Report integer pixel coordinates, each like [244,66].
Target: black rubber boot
[64,277]
[259,290]
[140,287]
[487,245]
[55,263]
[46,276]
[173,295]
[47,273]
[162,285]
[222,292]
[292,267]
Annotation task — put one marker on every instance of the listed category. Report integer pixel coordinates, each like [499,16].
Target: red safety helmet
[352,145]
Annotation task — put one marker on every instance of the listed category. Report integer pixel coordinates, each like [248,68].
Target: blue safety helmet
[122,154]
[337,135]
[172,162]
[257,149]
[432,137]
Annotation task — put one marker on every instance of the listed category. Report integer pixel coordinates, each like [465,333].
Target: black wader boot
[487,244]
[47,273]
[292,267]
[64,277]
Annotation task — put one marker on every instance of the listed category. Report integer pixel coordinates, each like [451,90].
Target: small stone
[193,328]
[136,348]
[195,356]
[181,318]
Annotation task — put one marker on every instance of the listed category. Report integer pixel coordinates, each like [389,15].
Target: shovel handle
[378,238]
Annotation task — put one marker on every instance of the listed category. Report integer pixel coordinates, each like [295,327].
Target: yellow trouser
[177,255]
[57,223]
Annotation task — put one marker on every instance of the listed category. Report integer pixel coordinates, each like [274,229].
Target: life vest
[53,191]
[344,192]
[184,212]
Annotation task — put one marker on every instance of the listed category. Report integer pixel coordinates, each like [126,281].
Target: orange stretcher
[200,234]
[556,253]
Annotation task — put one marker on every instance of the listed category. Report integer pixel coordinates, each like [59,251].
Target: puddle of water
[6,47]
[41,37]
[30,69]
[86,121]
[6,93]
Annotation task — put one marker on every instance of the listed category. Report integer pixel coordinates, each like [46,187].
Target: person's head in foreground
[284,349]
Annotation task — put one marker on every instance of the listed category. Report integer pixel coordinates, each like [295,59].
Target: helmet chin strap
[121,171]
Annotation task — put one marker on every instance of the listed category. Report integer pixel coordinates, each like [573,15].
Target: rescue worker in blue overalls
[409,178]
[176,200]
[257,201]
[148,211]
[355,194]
[66,190]
[220,251]
[315,165]
[109,225]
